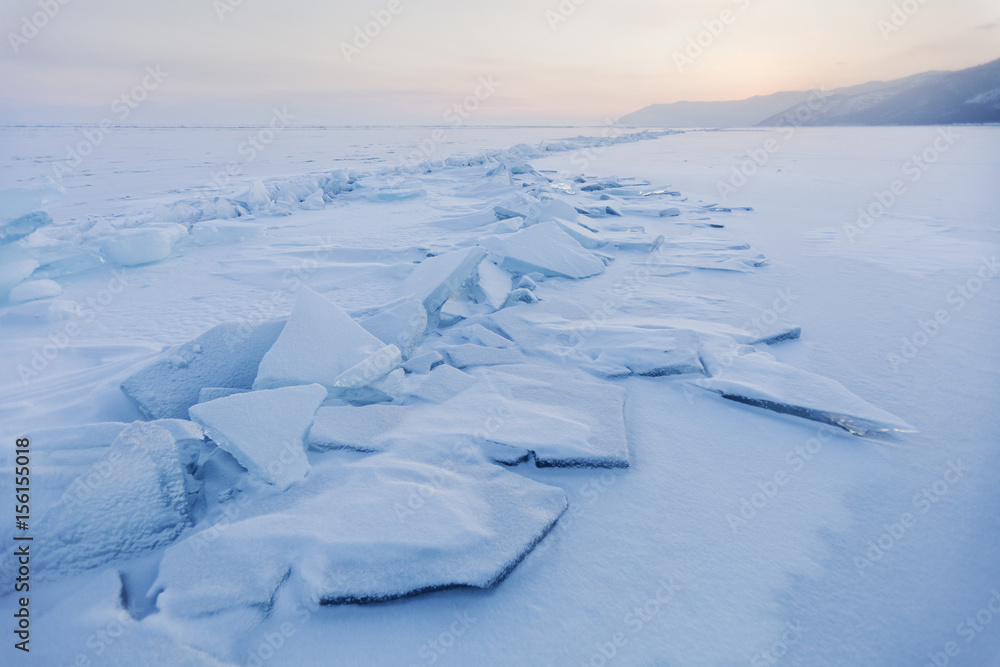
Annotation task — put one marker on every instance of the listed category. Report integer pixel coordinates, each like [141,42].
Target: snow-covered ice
[545,248]
[228,355]
[584,459]
[264,430]
[318,344]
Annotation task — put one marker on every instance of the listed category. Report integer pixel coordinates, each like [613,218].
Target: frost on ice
[225,356]
[367,531]
[749,376]
[264,430]
[317,345]
[133,500]
[545,248]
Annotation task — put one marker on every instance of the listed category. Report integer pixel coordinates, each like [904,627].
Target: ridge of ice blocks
[609,348]
[436,278]
[318,344]
[227,355]
[138,245]
[264,430]
[354,534]
[132,501]
[545,248]
[756,378]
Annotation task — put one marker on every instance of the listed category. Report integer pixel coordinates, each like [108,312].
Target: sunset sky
[578,61]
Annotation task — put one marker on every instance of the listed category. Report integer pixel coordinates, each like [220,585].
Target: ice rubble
[369,530]
[264,430]
[747,375]
[133,500]
[493,285]
[545,248]
[435,279]
[227,355]
[319,344]
[562,417]
[425,509]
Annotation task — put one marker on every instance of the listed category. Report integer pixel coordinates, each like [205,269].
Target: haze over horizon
[578,61]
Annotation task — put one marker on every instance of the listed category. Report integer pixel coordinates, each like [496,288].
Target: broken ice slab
[565,417]
[20,227]
[442,383]
[211,393]
[423,363]
[636,242]
[355,428]
[225,356]
[492,286]
[470,354]
[435,279]
[756,378]
[545,248]
[402,325]
[317,345]
[585,236]
[611,349]
[551,208]
[264,430]
[138,245]
[365,531]
[132,501]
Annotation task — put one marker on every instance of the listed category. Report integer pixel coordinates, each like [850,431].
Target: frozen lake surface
[727,436]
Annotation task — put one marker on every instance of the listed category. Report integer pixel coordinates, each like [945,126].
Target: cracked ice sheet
[749,376]
[369,530]
[563,416]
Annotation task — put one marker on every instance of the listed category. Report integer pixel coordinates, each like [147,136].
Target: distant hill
[931,98]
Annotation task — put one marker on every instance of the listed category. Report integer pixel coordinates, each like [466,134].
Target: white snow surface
[739,530]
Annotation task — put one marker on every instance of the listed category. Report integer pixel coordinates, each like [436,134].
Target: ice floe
[264,430]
